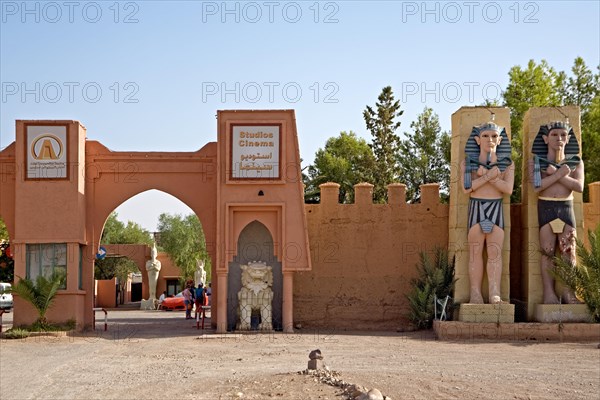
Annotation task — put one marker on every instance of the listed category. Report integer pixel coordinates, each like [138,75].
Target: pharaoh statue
[153,267]
[256,294]
[556,171]
[487,174]
[200,274]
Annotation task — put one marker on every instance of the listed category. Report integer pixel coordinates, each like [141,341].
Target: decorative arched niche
[255,243]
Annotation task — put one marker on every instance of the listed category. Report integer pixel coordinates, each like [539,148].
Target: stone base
[562,313]
[540,332]
[147,304]
[316,364]
[503,313]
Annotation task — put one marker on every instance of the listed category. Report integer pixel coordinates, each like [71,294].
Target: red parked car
[173,303]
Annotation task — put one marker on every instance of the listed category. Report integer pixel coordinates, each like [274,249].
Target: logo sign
[255,151]
[46,152]
[101,254]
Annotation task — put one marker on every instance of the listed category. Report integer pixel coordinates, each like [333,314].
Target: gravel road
[158,355]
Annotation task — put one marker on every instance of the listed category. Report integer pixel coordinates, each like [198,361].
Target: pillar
[288,302]
[463,122]
[531,256]
[222,302]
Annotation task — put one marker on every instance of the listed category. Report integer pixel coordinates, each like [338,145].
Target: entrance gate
[59,188]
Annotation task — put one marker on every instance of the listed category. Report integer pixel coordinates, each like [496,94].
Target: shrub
[16,333]
[436,277]
[584,277]
[40,294]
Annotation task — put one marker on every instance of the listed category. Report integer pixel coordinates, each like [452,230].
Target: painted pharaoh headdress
[540,151]
[472,162]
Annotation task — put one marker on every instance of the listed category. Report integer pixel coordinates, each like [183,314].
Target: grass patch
[16,333]
[49,327]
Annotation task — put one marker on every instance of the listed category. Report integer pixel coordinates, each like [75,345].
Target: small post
[105,318]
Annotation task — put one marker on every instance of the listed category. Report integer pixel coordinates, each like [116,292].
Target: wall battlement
[364,255]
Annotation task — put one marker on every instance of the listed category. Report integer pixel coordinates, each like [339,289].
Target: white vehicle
[6,298]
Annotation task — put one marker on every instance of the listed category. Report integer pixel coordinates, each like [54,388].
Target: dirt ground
[158,355]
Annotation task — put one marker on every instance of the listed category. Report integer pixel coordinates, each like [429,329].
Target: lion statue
[256,294]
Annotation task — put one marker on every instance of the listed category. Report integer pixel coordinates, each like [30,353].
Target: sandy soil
[158,355]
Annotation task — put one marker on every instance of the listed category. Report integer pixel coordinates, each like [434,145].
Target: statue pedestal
[562,313]
[504,313]
[147,304]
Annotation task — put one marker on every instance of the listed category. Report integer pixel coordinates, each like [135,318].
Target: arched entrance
[189,225]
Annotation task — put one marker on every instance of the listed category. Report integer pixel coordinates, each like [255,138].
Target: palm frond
[583,277]
[41,294]
[436,278]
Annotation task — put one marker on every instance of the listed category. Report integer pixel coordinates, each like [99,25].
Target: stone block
[396,194]
[504,313]
[562,313]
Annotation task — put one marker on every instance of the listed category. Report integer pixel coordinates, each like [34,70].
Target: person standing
[187,300]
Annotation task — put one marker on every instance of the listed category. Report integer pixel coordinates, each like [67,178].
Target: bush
[435,278]
[584,277]
[40,294]
[16,333]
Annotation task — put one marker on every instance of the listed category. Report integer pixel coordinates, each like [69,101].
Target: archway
[135,224]
[255,243]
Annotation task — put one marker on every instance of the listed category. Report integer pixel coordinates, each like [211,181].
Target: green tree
[382,124]
[538,85]
[346,160]
[424,155]
[582,87]
[182,238]
[116,232]
[41,294]
[583,90]
[590,137]
[7,264]
[3,230]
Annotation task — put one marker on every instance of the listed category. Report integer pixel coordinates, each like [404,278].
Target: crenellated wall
[364,256]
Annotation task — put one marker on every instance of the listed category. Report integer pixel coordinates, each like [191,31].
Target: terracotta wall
[168,270]
[106,296]
[364,257]
[140,253]
[591,210]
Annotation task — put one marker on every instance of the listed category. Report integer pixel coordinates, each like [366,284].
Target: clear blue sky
[150,75]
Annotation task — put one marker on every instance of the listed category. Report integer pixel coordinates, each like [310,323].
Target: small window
[45,259]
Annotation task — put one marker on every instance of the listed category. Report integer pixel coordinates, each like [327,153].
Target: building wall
[140,254]
[106,293]
[364,257]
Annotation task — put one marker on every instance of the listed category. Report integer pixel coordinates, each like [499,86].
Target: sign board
[101,253]
[46,152]
[255,151]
